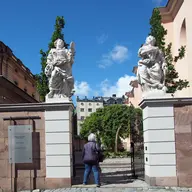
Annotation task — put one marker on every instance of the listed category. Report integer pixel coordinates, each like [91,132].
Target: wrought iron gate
[137,149]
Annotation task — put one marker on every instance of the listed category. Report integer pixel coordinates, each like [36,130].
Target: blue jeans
[95,169]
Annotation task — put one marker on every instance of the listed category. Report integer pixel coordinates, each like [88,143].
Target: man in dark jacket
[91,159]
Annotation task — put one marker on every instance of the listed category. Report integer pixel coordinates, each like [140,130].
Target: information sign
[20,143]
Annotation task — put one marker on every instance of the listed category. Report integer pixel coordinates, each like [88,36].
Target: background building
[87,106]
[134,96]
[176,19]
[17,83]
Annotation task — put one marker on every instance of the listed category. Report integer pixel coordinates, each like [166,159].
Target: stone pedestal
[159,141]
[58,138]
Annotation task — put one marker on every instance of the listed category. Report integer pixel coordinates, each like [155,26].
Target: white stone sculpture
[59,70]
[151,69]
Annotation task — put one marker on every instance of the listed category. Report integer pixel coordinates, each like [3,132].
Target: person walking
[90,155]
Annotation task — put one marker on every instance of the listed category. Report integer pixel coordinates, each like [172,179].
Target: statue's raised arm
[72,48]
[71,53]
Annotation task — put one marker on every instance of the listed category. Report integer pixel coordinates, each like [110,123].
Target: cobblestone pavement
[114,179]
[117,189]
[117,160]
[113,171]
[116,167]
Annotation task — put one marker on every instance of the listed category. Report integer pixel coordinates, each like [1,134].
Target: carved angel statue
[59,70]
[151,67]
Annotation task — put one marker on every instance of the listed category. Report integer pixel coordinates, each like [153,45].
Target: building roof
[169,12]
[104,100]
[85,99]
[134,83]
[130,93]
[4,49]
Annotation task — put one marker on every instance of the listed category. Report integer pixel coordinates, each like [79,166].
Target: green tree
[41,79]
[107,123]
[92,124]
[172,80]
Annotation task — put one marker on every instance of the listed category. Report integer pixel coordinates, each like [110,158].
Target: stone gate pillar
[159,141]
[58,139]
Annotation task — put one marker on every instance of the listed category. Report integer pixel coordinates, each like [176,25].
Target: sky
[107,36]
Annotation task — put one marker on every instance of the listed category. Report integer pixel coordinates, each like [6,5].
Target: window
[33,95]
[89,104]
[16,70]
[183,35]
[33,85]
[25,78]
[25,89]
[97,104]
[82,117]
[82,109]
[16,83]
[89,110]
[82,104]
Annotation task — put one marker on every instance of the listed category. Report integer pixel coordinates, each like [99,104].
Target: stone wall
[183,139]
[23,176]
[167,125]
[27,176]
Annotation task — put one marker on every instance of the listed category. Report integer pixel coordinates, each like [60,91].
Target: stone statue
[59,70]
[151,68]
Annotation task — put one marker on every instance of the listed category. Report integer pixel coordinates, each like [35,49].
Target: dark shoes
[96,185]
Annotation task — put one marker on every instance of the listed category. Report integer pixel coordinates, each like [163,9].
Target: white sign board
[20,143]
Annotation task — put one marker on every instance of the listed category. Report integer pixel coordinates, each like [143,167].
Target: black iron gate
[137,148]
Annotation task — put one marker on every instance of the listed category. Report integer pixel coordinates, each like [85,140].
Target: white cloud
[82,88]
[118,54]
[106,88]
[157,2]
[119,88]
[101,39]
